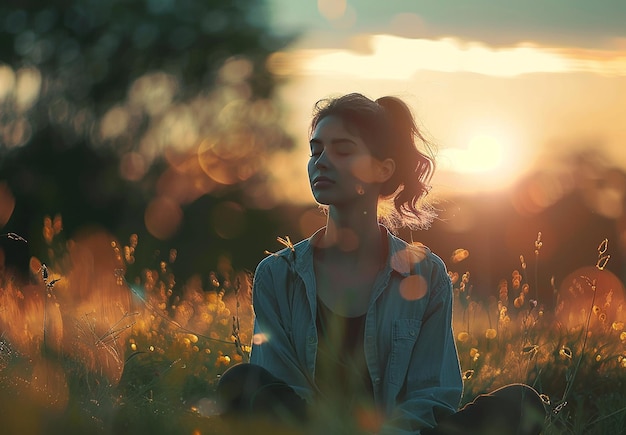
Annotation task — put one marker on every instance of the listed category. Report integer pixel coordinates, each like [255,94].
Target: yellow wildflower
[459,255]
[596,310]
[462,337]
[454,277]
[491,333]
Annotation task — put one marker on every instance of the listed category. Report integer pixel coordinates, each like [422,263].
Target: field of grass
[85,348]
[571,349]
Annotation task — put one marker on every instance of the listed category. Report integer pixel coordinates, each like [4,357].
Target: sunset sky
[499,87]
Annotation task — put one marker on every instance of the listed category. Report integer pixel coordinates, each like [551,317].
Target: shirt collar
[402,256]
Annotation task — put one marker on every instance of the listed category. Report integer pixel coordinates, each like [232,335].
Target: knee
[250,390]
[238,384]
[520,393]
[526,400]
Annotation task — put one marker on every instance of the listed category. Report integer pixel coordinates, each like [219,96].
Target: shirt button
[412,332]
[311,339]
[376,381]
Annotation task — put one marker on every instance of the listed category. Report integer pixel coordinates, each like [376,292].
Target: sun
[483,153]
[482,163]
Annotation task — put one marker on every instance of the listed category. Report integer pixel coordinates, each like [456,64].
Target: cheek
[362,168]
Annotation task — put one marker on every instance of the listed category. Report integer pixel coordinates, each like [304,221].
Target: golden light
[488,162]
[114,122]
[484,153]
[163,217]
[575,295]
[7,81]
[534,90]
[459,255]
[413,287]
[48,385]
[387,59]
[311,220]
[259,338]
[27,87]
[153,92]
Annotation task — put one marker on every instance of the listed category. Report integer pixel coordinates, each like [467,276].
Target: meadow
[86,346]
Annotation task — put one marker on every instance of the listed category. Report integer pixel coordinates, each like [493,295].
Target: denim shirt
[409,346]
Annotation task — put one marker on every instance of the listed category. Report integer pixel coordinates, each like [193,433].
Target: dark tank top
[340,367]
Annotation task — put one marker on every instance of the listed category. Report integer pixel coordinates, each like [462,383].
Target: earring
[359,189]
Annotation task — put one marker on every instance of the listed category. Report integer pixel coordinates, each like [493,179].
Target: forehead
[333,127]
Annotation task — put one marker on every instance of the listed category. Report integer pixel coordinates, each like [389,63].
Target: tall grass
[574,354]
[84,350]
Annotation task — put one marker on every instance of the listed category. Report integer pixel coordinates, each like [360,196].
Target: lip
[322,181]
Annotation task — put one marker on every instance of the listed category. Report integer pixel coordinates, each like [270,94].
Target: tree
[123,112]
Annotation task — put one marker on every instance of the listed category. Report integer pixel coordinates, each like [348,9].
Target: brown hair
[389,130]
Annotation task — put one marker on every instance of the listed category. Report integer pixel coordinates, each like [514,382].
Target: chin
[326,198]
[321,200]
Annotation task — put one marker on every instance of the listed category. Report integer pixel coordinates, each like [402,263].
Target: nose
[321,161]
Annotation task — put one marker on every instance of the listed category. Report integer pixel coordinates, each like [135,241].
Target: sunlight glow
[484,153]
[493,112]
[27,87]
[7,81]
[393,57]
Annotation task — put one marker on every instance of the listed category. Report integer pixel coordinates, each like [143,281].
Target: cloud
[398,58]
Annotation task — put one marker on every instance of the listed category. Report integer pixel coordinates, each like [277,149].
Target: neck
[354,231]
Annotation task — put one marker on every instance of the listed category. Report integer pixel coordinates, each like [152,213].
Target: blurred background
[185,122]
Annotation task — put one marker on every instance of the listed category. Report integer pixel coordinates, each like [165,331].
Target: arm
[272,346]
[433,382]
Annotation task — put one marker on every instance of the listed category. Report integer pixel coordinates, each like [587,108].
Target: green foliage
[105,105]
[90,51]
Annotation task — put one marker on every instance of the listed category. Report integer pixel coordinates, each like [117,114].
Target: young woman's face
[341,167]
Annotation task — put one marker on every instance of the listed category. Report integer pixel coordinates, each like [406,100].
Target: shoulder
[283,260]
[407,257]
[272,266]
[416,259]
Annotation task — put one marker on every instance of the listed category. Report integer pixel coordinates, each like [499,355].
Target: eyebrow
[334,141]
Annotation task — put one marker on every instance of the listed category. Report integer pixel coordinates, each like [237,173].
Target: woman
[355,315]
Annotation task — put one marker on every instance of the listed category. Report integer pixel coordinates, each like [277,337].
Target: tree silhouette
[106,106]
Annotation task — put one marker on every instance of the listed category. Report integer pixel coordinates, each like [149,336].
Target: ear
[385,170]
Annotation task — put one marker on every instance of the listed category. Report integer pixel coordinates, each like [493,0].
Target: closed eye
[344,148]
[341,147]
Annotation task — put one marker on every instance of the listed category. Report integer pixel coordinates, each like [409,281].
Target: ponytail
[409,184]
